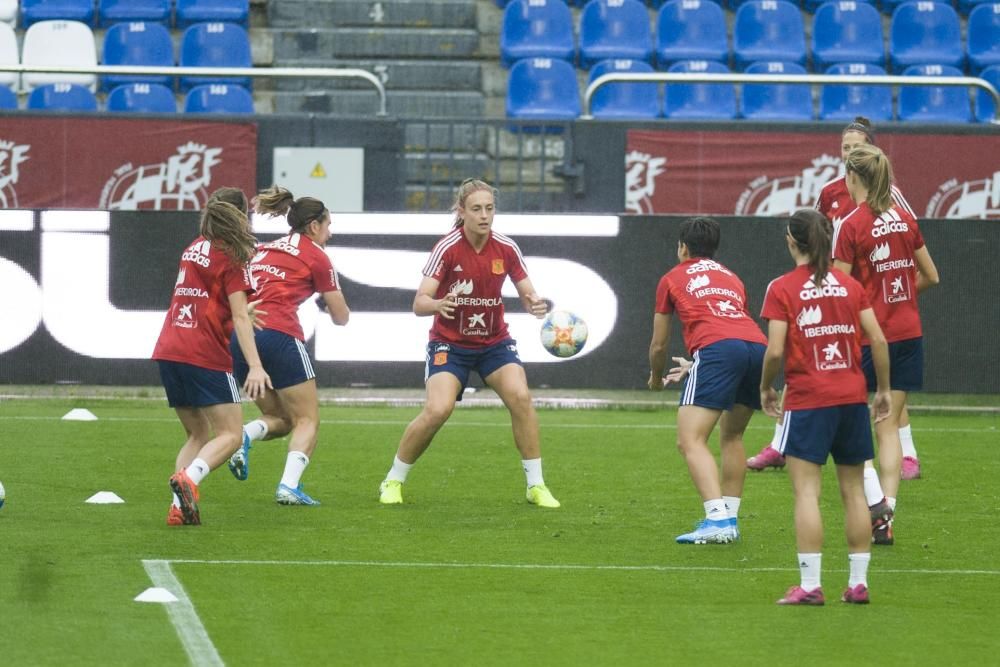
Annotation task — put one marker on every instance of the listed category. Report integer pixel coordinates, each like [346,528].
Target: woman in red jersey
[815,317]
[461,289]
[209,303]
[286,272]
[881,246]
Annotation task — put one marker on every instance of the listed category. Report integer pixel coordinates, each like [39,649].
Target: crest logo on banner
[641,170]
[786,194]
[967,199]
[181,182]
[12,156]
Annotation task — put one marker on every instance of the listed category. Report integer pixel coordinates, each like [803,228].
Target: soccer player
[722,383]
[835,203]
[881,246]
[209,303]
[461,291]
[287,272]
[815,315]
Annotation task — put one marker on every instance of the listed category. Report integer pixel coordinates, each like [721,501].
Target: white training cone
[156,594]
[105,498]
[80,415]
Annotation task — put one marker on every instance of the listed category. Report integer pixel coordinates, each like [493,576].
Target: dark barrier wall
[84,298]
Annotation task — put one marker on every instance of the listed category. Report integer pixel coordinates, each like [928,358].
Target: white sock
[873,489]
[399,470]
[716,509]
[809,567]
[859,569]
[776,438]
[533,472]
[295,465]
[732,506]
[256,429]
[198,470]
[176,501]
[892,503]
[906,439]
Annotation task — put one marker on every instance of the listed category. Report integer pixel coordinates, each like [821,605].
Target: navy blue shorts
[457,360]
[841,430]
[906,365]
[284,358]
[725,373]
[190,386]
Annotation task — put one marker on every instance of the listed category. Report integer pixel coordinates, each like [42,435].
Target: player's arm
[533,303]
[880,359]
[257,378]
[777,331]
[658,344]
[425,304]
[927,273]
[336,306]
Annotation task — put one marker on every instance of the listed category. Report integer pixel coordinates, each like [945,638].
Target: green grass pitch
[466,573]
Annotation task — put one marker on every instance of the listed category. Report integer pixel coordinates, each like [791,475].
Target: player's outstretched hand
[256,315]
[257,381]
[678,372]
[882,405]
[769,402]
[446,306]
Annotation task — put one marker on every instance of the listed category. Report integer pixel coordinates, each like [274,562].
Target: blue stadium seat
[62,97]
[215,45]
[614,29]
[543,88]
[812,5]
[142,98]
[889,6]
[536,29]
[110,12]
[984,37]
[845,102]
[934,104]
[137,43]
[768,30]
[218,98]
[985,106]
[710,101]
[847,32]
[8,99]
[690,30]
[190,12]
[33,11]
[925,33]
[624,100]
[777,101]
[965,7]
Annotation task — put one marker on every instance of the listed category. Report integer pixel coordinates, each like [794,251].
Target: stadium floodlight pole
[228,72]
[840,79]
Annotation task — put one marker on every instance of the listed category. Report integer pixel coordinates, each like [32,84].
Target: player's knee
[437,413]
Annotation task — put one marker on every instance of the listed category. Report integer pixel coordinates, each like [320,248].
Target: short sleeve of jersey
[518,271]
[324,276]
[236,279]
[918,236]
[664,302]
[774,307]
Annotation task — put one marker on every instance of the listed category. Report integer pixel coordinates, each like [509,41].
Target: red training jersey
[835,203]
[199,322]
[286,272]
[477,278]
[823,344]
[711,302]
[880,251]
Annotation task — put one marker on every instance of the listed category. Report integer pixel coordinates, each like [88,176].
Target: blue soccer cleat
[239,462]
[710,531]
[286,495]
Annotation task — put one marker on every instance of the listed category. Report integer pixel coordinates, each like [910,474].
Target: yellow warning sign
[318,171]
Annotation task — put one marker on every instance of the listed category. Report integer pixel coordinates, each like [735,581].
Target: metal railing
[839,79]
[217,72]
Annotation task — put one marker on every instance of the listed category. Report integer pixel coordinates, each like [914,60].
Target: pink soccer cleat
[911,468]
[766,458]
[856,595]
[797,595]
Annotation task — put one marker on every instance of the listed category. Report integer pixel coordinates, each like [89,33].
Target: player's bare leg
[694,425]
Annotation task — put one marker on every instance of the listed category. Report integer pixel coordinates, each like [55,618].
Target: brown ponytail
[873,169]
[812,233]
[277,200]
[225,225]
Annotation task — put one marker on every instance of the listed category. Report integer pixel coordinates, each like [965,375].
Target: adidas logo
[458,268]
[809,315]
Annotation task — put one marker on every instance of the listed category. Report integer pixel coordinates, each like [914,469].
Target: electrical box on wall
[334,175]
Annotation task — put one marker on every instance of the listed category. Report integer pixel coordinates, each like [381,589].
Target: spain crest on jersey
[498,267]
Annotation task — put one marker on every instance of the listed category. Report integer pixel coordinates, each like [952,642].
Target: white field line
[554,566]
[480,424]
[197,644]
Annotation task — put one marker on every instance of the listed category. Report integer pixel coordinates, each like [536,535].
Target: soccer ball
[3,494]
[563,333]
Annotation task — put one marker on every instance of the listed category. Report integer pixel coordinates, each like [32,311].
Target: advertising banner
[773,173]
[122,164]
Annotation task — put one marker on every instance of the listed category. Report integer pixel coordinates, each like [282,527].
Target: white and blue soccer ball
[3,494]
[563,333]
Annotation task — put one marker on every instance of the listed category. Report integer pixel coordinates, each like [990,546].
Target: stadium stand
[768,30]
[9,56]
[219,98]
[776,101]
[110,12]
[8,99]
[215,45]
[536,29]
[543,89]
[33,11]
[985,106]
[142,98]
[690,30]
[62,97]
[845,102]
[137,43]
[624,100]
[925,33]
[709,101]
[190,12]
[847,32]
[614,29]
[56,43]
[983,44]
[933,104]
